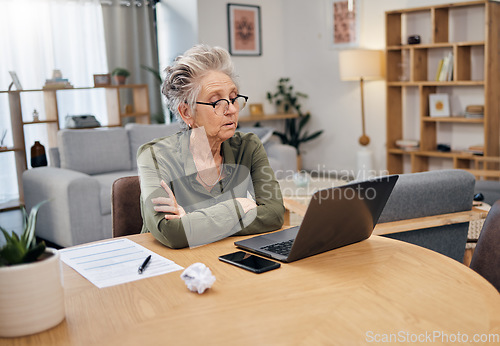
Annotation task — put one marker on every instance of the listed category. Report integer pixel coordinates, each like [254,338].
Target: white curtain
[131,42]
[37,37]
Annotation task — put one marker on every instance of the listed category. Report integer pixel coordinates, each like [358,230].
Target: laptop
[335,217]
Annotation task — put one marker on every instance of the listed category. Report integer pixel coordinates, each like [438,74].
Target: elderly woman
[208,181]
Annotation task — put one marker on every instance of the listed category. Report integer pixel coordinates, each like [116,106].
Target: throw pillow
[264,133]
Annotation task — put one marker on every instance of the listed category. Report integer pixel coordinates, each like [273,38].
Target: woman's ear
[185,113]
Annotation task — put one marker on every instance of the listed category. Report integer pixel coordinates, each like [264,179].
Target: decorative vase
[31,296]
[38,157]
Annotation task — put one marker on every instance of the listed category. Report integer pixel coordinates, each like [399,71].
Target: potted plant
[295,129]
[120,74]
[285,98]
[31,292]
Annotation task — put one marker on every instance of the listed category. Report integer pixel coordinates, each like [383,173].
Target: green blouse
[215,214]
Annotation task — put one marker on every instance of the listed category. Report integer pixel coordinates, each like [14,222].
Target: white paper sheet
[115,262]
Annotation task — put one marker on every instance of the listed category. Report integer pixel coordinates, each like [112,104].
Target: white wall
[295,45]
[258,74]
[334,104]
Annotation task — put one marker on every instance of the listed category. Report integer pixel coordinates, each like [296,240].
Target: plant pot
[120,80]
[280,109]
[31,296]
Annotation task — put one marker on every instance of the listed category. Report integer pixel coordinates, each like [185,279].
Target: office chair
[486,257]
[126,207]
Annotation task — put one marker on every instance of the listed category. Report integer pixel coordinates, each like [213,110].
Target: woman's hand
[168,205]
[246,203]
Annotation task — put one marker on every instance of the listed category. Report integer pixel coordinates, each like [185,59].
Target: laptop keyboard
[282,248]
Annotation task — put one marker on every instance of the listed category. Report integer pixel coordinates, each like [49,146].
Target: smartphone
[249,262]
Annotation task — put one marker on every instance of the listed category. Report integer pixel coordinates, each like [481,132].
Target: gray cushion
[264,133]
[105,182]
[95,151]
[142,133]
[432,193]
[490,190]
[429,193]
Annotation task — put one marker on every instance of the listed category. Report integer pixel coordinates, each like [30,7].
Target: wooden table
[346,296]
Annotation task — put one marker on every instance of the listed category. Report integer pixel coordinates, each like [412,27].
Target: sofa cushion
[490,190]
[95,151]
[429,193]
[143,133]
[106,182]
[264,133]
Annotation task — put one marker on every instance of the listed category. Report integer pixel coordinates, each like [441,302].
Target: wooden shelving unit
[116,115]
[265,117]
[421,66]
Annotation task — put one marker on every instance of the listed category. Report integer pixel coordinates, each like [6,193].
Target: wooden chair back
[486,257]
[126,207]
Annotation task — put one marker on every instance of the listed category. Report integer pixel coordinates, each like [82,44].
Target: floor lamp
[360,65]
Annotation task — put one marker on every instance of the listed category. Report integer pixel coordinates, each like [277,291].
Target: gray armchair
[432,193]
[83,169]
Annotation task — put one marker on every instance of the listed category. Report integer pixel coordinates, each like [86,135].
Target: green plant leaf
[13,251]
[304,120]
[32,254]
[287,96]
[16,248]
[8,237]
[120,71]
[155,72]
[313,136]
[282,136]
[28,236]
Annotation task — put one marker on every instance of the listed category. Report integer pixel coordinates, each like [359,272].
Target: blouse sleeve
[270,208]
[214,219]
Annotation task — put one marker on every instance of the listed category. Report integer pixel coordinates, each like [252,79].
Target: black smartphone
[249,262]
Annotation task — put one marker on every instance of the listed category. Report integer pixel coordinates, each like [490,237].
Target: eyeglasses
[221,106]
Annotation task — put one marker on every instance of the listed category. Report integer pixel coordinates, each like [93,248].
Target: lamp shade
[361,63]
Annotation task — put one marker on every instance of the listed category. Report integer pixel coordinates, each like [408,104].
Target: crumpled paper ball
[198,277]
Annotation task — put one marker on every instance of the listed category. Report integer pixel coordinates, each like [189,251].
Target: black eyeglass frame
[230,101]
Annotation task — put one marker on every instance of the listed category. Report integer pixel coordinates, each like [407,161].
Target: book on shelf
[57,83]
[475,150]
[445,69]
[57,86]
[438,72]
[408,144]
[473,115]
[474,111]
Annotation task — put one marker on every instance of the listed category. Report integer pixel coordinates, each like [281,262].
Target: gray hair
[182,82]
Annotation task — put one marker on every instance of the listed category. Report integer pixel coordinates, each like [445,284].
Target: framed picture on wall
[343,23]
[244,29]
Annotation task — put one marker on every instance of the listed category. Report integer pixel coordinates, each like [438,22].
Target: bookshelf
[117,115]
[470,33]
[265,117]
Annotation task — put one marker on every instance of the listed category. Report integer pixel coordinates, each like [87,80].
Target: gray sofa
[432,193]
[490,189]
[83,168]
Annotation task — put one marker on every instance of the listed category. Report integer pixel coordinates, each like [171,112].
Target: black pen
[144,264]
